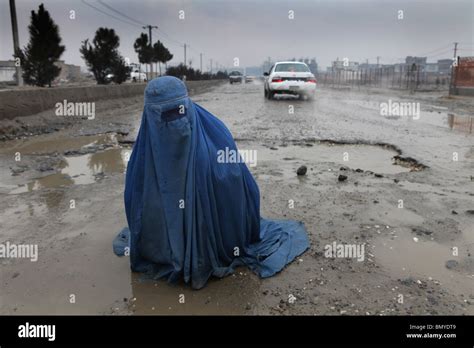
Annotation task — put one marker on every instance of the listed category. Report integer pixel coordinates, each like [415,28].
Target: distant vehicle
[109,77]
[249,78]
[236,76]
[137,76]
[290,78]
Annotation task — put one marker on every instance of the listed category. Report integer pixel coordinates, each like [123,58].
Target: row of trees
[193,74]
[149,54]
[40,56]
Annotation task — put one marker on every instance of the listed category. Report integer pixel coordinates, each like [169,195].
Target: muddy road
[402,187]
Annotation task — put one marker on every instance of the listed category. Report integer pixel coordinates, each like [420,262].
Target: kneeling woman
[190,216]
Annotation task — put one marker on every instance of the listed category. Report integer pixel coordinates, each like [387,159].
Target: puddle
[461,123]
[366,157]
[405,258]
[219,297]
[51,143]
[80,170]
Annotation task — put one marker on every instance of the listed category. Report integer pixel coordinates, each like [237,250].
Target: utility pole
[211,66]
[150,27]
[377,72]
[185,55]
[200,61]
[453,70]
[16,42]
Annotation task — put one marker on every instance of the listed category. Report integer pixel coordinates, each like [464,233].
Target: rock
[420,231]
[358,170]
[450,264]
[342,177]
[454,212]
[376,201]
[273,148]
[344,168]
[407,281]
[45,167]
[470,212]
[20,168]
[301,170]
[396,181]
[378,175]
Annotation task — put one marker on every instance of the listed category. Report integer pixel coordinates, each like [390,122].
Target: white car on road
[290,78]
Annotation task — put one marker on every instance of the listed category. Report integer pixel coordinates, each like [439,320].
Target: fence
[403,77]
[463,80]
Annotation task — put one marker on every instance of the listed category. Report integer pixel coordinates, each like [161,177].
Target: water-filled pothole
[80,170]
[373,158]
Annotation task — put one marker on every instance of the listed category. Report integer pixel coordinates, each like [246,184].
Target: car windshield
[291,67]
[235,73]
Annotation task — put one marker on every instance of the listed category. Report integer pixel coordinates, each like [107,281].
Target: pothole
[81,170]
[358,157]
[417,256]
[85,160]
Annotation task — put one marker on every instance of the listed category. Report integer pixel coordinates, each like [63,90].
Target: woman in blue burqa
[190,216]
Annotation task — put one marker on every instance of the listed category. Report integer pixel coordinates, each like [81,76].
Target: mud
[66,195]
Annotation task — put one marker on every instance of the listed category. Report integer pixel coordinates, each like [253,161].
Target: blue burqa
[189,215]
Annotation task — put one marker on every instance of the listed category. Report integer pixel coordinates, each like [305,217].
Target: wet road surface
[407,197]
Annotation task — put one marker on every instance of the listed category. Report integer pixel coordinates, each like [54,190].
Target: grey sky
[255,30]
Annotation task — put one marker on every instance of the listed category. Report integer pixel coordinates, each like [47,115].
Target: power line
[135,23]
[433,51]
[110,15]
[120,13]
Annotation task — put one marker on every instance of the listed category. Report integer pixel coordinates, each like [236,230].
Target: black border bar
[139,330]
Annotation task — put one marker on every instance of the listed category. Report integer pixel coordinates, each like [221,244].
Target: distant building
[431,68]
[313,66]
[69,72]
[415,60]
[7,70]
[345,65]
[445,66]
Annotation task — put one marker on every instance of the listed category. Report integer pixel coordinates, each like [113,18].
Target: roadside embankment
[30,101]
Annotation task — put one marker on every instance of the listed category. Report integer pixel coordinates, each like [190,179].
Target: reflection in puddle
[366,157]
[226,296]
[422,259]
[81,170]
[461,123]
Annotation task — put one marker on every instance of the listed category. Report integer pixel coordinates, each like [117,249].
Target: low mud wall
[25,102]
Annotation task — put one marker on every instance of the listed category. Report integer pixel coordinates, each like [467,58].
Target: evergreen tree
[44,49]
[142,47]
[102,57]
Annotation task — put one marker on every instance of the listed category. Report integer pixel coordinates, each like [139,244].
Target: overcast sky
[255,30]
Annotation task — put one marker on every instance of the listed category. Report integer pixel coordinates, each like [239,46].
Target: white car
[137,76]
[290,78]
